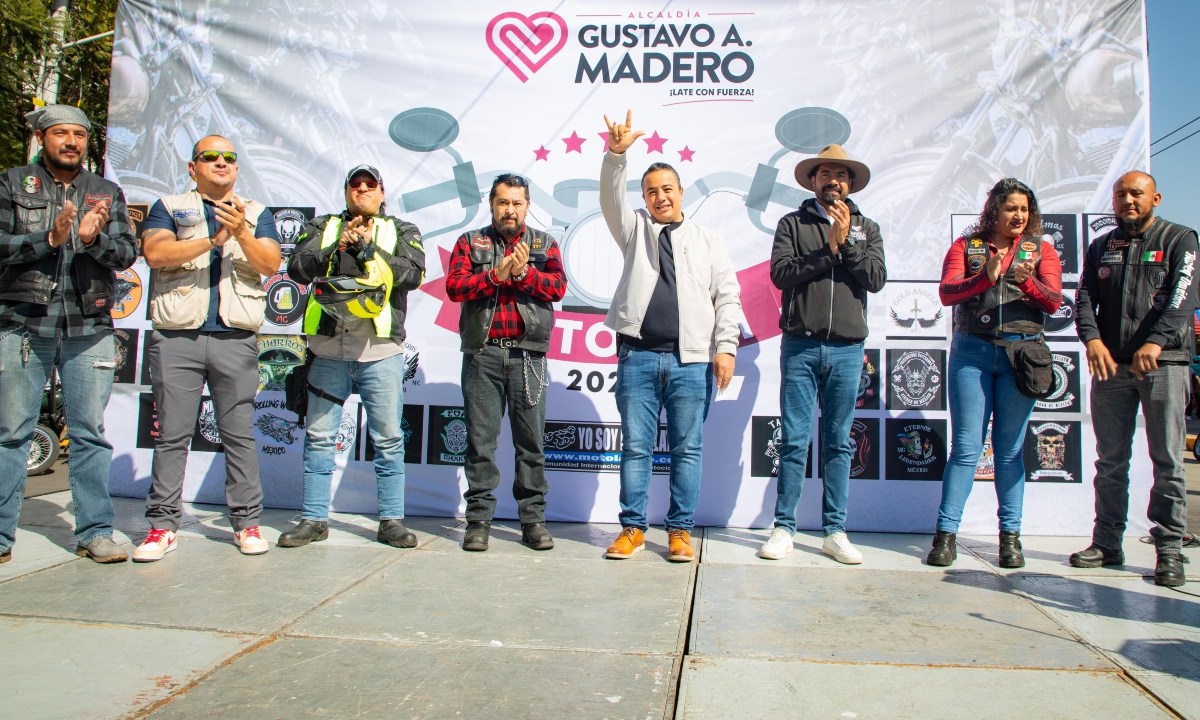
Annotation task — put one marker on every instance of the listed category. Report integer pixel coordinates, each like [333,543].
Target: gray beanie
[51,115]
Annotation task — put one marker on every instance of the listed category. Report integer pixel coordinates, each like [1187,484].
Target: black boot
[393,532]
[1094,556]
[1168,571]
[304,533]
[536,536]
[1010,550]
[475,539]
[944,551]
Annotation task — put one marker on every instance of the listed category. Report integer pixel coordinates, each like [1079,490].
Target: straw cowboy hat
[832,154]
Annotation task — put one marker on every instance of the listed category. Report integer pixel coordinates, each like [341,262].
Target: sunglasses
[211,156]
[370,183]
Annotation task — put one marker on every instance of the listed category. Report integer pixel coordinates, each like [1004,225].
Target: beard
[1132,226]
[508,228]
[59,164]
[829,195]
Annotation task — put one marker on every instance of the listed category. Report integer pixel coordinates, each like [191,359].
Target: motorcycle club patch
[31,184]
[857,234]
[976,254]
[537,243]
[91,201]
[1114,257]
[481,242]
[1117,243]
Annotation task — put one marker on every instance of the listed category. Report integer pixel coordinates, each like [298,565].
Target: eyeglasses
[370,183]
[211,156]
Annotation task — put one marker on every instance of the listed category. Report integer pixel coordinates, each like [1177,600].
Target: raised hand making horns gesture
[621,137]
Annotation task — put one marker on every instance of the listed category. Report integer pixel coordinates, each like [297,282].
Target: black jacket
[31,272]
[310,261]
[1140,289]
[825,295]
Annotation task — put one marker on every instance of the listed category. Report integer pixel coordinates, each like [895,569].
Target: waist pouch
[1032,364]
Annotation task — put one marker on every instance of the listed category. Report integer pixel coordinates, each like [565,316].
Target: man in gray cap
[826,258]
[64,232]
[360,265]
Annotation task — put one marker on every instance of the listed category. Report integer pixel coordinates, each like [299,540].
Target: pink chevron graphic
[525,43]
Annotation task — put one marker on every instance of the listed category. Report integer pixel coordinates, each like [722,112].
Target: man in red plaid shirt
[506,276]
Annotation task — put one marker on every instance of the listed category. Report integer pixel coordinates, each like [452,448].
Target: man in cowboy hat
[826,258]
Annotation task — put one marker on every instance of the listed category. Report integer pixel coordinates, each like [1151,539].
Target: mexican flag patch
[1152,256]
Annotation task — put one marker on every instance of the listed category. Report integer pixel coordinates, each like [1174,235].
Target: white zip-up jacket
[710,306]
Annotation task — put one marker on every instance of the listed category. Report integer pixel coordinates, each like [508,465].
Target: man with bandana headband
[64,233]
[826,257]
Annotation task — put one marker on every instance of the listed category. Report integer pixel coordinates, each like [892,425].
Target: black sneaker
[1095,556]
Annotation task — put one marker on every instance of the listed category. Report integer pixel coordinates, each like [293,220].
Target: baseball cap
[364,169]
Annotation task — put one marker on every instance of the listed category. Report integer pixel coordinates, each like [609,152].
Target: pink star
[685,155]
[574,142]
[542,153]
[654,143]
[603,141]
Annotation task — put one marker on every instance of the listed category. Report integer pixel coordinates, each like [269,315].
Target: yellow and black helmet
[347,297]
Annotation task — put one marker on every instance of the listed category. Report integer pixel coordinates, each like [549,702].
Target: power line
[1163,150]
[1164,137]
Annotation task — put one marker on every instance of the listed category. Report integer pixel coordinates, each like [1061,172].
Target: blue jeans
[646,382]
[380,385]
[982,387]
[816,372]
[85,365]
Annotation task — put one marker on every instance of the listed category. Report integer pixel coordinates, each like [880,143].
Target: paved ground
[351,628]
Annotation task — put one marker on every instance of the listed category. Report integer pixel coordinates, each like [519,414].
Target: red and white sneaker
[250,542]
[158,542]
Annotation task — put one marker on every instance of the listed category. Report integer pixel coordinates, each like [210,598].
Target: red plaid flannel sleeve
[549,284]
[461,283]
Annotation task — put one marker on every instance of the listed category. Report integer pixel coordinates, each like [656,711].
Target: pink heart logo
[526,42]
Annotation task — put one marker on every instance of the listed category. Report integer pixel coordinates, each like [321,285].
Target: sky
[1174,100]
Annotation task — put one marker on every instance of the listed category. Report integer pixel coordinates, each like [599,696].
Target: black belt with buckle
[505,342]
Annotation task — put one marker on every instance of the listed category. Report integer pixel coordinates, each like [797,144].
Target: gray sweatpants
[180,363]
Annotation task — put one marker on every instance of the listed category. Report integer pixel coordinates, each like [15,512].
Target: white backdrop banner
[939,99]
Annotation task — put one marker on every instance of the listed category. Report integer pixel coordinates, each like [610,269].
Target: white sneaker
[250,542]
[838,547]
[777,546]
[158,542]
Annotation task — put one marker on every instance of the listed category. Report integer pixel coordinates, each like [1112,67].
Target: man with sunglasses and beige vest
[208,248]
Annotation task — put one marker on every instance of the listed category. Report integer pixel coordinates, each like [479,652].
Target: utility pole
[46,92]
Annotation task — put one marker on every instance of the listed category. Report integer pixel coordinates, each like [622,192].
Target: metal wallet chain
[530,366]
[25,348]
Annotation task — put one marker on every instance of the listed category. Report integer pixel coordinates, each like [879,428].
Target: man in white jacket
[676,312]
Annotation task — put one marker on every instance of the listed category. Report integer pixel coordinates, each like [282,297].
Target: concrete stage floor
[351,628]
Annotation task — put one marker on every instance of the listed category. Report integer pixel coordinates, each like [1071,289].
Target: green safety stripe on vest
[385,239]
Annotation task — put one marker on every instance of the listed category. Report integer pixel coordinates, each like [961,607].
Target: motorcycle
[49,435]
